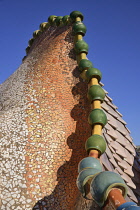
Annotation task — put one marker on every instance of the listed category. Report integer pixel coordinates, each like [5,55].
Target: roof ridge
[53,20]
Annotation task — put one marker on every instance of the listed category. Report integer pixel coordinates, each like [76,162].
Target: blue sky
[113,35]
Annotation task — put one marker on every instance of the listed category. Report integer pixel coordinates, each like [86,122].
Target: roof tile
[128,135]
[129,138]
[107,138]
[117,157]
[112,121]
[112,111]
[119,149]
[108,152]
[106,99]
[111,132]
[112,150]
[110,99]
[105,91]
[102,84]
[130,148]
[129,158]
[124,165]
[128,180]
[104,106]
[112,160]
[107,126]
[119,171]
[122,153]
[106,163]
[120,138]
[121,128]
[121,120]
[128,170]
[128,130]
[133,145]
[119,113]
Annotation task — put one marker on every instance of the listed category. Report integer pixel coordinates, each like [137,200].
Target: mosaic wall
[44,113]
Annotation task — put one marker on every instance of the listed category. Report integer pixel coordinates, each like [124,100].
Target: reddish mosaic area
[57,112]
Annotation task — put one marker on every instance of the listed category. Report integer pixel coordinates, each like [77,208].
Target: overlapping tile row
[44,112]
[89,168]
[120,155]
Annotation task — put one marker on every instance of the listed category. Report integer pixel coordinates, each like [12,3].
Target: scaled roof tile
[119,171]
[105,91]
[117,157]
[106,99]
[120,138]
[110,99]
[102,84]
[121,128]
[106,163]
[112,121]
[122,153]
[112,150]
[108,152]
[124,165]
[112,105]
[112,160]
[121,120]
[130,148]
[128,130]
[129,157]
[105,106]
[107,138]
[133,144]
[111,132]
[112,111]
[128,180]
[129,138]
[119,113]
[128,169]
[118,148]
[107,126]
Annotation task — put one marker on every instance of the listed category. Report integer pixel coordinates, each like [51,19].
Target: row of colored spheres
[97,116]
[90,168]
[54,20]
[95,92]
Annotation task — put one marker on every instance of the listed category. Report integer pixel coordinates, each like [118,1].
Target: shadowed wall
[44,114]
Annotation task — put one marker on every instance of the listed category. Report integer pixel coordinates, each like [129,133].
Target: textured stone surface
[44,125]
[44,116]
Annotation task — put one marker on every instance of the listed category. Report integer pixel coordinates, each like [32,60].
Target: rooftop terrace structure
[44,127]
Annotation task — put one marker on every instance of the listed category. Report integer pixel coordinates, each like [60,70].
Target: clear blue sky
[113,35]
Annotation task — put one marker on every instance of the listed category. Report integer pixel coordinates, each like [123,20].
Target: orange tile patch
[57,123]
